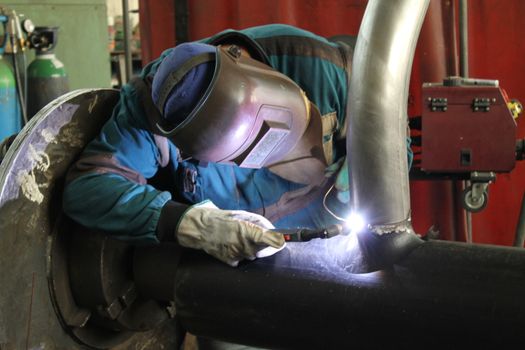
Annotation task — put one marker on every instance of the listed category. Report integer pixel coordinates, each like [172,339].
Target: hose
[19,86]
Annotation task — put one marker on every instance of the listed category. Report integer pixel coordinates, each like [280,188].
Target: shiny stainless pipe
[377,110]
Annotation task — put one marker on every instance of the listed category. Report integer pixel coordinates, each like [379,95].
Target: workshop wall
[324,17]
[497,51]
[82,38]
[204,18]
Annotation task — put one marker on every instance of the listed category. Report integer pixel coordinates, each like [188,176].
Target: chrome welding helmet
[247,112]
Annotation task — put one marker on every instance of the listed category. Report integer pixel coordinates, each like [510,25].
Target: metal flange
[35,308]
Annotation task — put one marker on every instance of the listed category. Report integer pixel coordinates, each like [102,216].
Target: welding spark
[355,222]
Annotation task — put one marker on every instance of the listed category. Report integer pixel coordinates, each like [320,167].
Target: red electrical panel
[466,128]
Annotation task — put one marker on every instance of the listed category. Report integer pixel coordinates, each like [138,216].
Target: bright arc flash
[355,222]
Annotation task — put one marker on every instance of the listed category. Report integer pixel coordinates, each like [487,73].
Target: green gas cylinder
[46,75]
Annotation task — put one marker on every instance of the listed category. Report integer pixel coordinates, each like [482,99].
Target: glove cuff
[169,218]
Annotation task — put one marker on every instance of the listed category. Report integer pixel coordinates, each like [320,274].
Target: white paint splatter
[30,189]
[39,159]
[72,136]
[48,136]
[92,104]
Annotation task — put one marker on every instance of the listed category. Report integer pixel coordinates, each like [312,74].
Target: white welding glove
[228,235]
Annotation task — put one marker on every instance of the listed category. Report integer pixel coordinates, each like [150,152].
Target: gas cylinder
[46,75]
[10,117]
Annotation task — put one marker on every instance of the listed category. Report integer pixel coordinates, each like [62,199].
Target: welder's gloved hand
[228,235]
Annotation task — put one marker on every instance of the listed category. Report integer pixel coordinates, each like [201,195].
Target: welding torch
[305,234]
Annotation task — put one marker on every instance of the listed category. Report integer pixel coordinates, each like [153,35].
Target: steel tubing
[443,293]
[378,109]
[463,39]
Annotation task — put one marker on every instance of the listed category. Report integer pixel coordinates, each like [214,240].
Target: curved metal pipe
[377,109]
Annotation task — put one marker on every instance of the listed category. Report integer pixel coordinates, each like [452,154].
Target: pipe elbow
[385,245]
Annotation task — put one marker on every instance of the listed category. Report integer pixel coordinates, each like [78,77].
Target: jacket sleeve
[107,189]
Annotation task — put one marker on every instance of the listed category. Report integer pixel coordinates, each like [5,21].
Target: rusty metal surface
[31,178]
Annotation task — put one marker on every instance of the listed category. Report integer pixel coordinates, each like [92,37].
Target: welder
[247,129]
[220,143]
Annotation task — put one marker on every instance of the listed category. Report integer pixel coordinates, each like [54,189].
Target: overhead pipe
[376,137]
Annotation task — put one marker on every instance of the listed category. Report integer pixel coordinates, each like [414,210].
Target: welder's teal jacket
[110,187]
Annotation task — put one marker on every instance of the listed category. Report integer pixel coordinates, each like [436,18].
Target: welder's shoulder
[273,30]
[267,34]
[263,31]
[126,131]
[129,111]
[151,68]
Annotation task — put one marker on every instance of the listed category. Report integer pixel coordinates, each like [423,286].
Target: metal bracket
[520,149]
[438,104]
[480,176]
[478,189]
[481,104]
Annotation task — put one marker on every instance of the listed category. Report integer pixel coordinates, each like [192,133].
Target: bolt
[235,51]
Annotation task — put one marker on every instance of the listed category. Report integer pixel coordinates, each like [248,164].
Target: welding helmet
[245,112]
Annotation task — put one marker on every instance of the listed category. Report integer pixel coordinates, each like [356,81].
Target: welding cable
[22,43]
[325,206]
[19,91]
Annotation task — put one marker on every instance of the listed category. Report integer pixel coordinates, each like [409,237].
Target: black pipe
[181,22]
[443,293]
[519,238]
[18,80]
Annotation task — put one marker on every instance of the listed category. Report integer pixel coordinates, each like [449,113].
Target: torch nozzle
[305,234]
